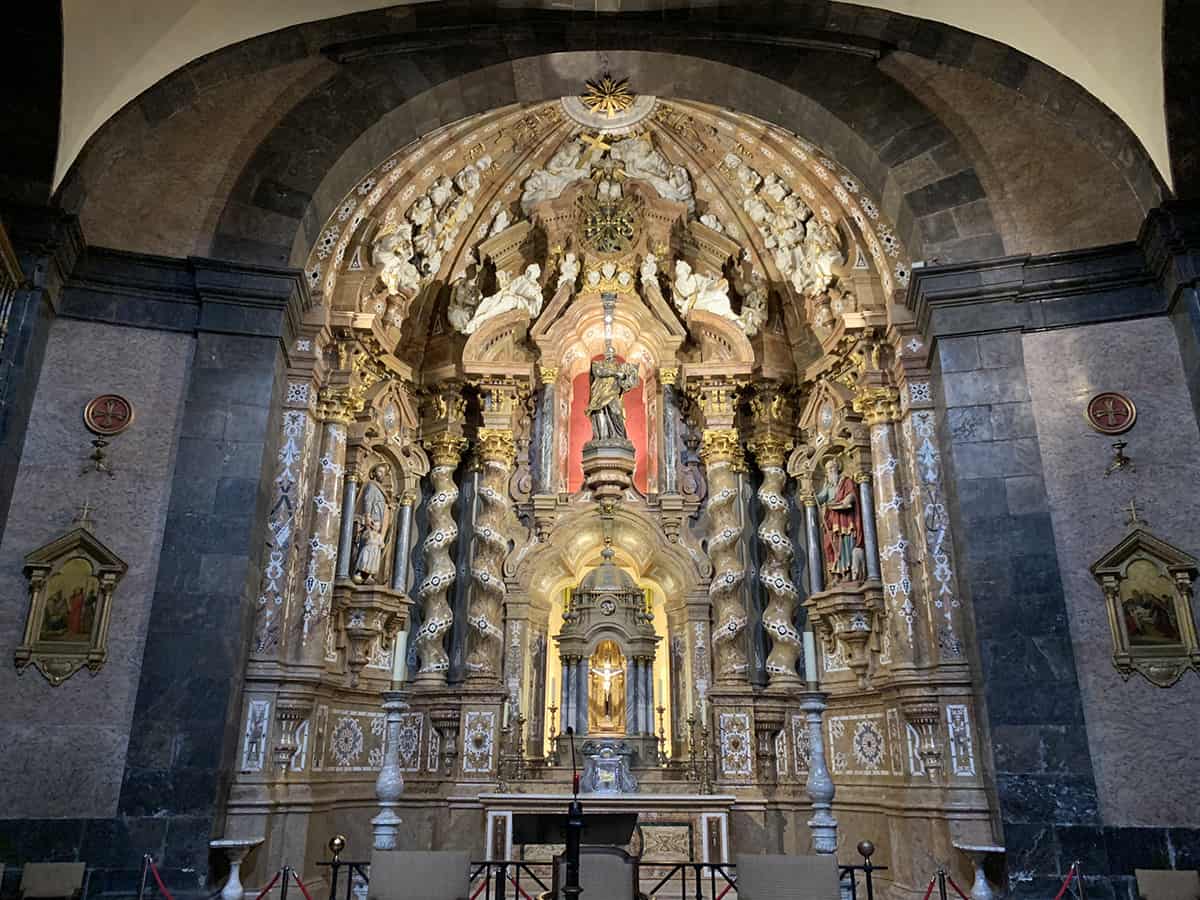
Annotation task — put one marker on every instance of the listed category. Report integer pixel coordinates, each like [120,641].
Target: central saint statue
[610,380]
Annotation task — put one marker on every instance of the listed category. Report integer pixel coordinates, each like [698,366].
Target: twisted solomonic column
[445,450]
[497,453]
[774,574]
[722,456]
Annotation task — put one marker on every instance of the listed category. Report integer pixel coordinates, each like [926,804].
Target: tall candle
[810,657]
[400,656]
[553,695]
[660,690]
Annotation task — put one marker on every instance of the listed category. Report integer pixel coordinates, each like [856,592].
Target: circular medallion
[1111,413]
[108,414]
[607,606]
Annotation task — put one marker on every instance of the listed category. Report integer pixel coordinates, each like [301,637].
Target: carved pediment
[500,347]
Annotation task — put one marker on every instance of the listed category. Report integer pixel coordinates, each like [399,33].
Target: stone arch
[432,65]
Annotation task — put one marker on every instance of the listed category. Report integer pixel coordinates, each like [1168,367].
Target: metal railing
[718,887]
[496,876]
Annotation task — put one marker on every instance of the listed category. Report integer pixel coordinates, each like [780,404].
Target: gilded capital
[548,374]
[877,404]
[769,449]
[721,445]
[335,405]
[408,498]
[668,374]
[808,498]
[497,445]
[445,449]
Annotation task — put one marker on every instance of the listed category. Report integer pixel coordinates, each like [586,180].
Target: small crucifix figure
[596,144]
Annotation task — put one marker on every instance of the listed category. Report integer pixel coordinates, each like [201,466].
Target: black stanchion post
[145,872]
[941,877]
[501,877]
[286,876]
[866,850]
[572,890]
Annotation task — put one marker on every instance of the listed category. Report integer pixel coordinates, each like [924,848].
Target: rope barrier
[1071,875]
[957,889]
[267,889]
[158,879]
[300,884]
[929,890]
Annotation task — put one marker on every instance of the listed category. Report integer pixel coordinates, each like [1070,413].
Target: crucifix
[595,143]
[1132,511]
[84,518]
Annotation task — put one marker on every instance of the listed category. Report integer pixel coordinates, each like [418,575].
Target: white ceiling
[115,50]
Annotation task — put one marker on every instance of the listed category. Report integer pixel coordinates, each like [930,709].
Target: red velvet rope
[957,889]
[1071,873]
[300,884]
[158,880]
[479,890]
[267,889]
[929,890]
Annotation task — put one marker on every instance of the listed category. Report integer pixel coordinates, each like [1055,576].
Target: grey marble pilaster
[670,420]
[867,498]
[582,671]
[403,538]
[648,681]
[816,571]
[346,535]
[544,441]
[631,711]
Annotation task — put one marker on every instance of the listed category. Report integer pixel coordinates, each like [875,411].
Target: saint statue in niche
[842,540]
[610,380]
[371,524]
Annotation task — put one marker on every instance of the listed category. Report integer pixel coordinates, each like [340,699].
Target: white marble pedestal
[236,850]
[977,853]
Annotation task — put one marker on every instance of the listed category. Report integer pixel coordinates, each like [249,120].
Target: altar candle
[810,657]
[399,656]
[553,695]
[660,691]
[504,713]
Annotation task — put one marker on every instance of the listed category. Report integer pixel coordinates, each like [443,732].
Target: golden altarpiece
[457,514]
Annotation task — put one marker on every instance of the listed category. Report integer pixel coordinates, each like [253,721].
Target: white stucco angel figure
[392,253]
[522,292]
[639,159]
[649,270]
[694,291]
[821,256]
[568,271]
[501,222]
[754,292]
[568,165]
[711,221]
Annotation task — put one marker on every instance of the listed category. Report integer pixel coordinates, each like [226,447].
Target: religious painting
[1147,585]
[71,581]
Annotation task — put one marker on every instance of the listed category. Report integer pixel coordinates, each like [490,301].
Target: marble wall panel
[64,748]
[1142,738]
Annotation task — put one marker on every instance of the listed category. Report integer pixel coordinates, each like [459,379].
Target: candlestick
[810,657]
[660,690]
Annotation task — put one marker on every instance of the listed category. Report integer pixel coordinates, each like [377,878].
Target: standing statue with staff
[610,381]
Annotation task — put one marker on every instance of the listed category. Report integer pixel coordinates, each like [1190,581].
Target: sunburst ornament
[607,96]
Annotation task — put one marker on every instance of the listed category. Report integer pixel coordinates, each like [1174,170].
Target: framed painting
[71,583]
[1147,586]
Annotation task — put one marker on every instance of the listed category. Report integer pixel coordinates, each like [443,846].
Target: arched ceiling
[112,53]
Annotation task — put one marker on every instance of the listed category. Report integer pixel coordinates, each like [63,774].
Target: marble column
[775,573]
[722,455]
[870,541]
[571,714]
[648,693]
[631,707]
[497,453]
[445,450]
[544,483]
[564,703]
[582,672]
[346,535]
[316,621]
[670,434]
[816,562]
[403,537]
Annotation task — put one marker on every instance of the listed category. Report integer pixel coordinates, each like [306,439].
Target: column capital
[721,445]
[668,374]
[877,405]
[548,375]
[769,449]
[336,404]
[497,445]
[408,498]
[445,448]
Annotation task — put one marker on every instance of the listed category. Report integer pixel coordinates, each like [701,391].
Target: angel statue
[610,381]
[703,292]
[522,292]
[464,300]
[393,252]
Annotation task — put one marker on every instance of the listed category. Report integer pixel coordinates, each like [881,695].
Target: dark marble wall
[181,737]
[1045,669]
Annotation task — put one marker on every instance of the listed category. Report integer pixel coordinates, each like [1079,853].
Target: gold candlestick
[662,736]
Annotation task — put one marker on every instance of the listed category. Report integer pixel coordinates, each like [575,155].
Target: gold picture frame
[1147,586]
[71,583]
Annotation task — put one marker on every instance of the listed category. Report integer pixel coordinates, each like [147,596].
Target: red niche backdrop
[581,429]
